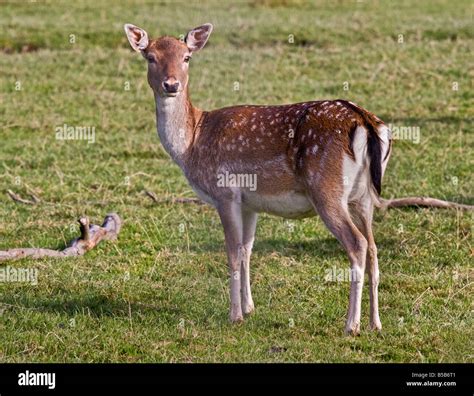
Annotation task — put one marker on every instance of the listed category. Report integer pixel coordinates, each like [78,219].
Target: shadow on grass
[93,305]
[325,247]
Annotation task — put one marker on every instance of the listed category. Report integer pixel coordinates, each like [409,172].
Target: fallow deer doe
[326,157]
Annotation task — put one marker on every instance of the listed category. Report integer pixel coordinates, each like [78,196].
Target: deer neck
[176,124]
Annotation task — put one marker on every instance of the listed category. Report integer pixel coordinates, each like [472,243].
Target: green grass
[160,293]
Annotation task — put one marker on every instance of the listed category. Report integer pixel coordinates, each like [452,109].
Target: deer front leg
[231,218]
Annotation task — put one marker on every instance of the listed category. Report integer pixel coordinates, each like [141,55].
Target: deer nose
[171,85]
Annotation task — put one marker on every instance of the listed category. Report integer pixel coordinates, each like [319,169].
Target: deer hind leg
[249,223]
[337,218]
[231,217]
[362,213]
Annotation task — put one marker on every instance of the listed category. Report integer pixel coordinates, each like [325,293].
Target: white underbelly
[289,205]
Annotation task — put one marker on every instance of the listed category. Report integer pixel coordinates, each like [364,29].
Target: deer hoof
[237,319]
[236,316]
[376,326]
[352,329]
[248,309]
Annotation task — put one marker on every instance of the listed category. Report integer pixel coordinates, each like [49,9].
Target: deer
[322,157]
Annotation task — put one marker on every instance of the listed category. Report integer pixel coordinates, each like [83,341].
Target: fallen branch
[422,202]
[91,236]
[34,199]
[152,195]
[155,198]
[188,200]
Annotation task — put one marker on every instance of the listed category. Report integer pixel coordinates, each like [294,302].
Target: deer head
[168,57]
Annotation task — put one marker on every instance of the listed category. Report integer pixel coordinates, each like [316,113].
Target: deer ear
[137,37]
[197,38]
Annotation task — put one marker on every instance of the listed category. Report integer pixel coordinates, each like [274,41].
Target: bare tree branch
[155,198]
[422,202]
[34,199]
[152,195]
[188,200]
[91,236]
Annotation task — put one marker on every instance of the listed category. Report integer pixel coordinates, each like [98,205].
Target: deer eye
[151,59]
[187,59]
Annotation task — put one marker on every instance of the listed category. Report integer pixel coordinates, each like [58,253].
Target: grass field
[160,293]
